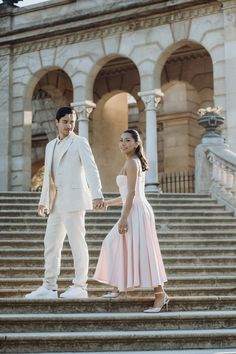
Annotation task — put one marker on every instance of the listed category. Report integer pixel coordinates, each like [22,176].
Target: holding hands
[42,210]
[99,204]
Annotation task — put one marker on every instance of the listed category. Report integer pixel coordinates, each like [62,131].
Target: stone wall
[80,38]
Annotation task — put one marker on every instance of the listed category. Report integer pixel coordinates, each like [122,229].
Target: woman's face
[127,144]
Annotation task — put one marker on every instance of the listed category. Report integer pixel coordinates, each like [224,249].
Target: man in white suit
[71,185]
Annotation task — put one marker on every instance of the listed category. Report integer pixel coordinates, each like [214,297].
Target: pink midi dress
[134,259]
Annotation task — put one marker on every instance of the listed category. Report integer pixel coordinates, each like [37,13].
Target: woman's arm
[132,173]
[115,201]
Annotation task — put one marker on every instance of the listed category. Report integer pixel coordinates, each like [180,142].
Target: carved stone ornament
[211,157]
[211,120]
[151,99]
[83,109]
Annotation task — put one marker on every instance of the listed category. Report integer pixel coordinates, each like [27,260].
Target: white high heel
[158,309]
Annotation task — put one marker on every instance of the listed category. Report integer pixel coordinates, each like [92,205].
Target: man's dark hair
[63,111]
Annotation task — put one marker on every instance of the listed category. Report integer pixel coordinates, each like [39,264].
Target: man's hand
[98,204]
[42,210]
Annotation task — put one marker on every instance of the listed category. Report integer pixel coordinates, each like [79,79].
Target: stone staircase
[198,242]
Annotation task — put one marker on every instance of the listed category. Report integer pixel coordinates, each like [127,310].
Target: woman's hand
[123,226]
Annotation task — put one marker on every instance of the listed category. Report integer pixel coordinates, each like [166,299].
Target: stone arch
[168,52]
[99,65]
[211,41]
[43,95]
[114,82]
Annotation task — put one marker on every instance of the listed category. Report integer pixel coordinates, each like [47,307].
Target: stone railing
[223,179]
[215,163]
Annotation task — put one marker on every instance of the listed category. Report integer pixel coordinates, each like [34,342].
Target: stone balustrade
[223,179]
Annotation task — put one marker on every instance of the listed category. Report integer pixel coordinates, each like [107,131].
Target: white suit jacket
[77,175]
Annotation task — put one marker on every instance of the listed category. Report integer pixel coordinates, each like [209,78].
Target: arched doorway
[187,82]
[52,91]
[118,107]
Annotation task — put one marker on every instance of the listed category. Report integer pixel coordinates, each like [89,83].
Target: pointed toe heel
[158,309]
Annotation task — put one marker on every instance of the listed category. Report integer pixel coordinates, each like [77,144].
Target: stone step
[163,206]
[18,198]
[109,220]
[120,340]
[94,251]
[83,322]
[174,281]
[95,238]
[128,304]
[107,226]
[107,194]
[17,292]
[31,261]
[97,242]
[186,351]
[153,201]
[99,234]
[33,271]
[90,215]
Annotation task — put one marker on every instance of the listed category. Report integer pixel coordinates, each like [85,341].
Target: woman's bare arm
[115,201]
[132,173]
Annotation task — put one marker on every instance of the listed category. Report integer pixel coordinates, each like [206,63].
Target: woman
[130,256]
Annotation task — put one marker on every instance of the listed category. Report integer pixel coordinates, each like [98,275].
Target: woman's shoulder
[132,164]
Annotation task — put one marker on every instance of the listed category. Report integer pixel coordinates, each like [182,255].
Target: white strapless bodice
[121,181]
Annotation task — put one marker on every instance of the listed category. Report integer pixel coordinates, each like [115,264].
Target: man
[71,181]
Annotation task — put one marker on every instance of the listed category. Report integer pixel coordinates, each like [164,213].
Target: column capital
[83,108]
[151,98]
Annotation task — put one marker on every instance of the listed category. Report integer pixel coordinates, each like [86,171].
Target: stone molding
[114,71]
[201,53]
[108,31]
[6,50]
[228,4]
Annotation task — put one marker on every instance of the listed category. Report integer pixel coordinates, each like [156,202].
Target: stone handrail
[223,175]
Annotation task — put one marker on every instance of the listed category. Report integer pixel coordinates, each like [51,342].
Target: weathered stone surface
[201,267]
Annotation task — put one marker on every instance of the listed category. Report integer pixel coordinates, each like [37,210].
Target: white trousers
[59,224]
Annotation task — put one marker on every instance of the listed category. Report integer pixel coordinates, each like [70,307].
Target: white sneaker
[42,293]
[75,292]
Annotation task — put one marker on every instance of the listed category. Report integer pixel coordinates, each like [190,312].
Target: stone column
[83,109]
[151,100]
[5,118]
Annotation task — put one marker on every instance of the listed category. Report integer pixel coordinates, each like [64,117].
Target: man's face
[66,125]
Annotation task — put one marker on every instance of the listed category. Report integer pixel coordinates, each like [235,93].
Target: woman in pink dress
[130,255]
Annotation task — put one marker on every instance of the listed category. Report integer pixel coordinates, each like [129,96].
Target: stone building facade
[144,64]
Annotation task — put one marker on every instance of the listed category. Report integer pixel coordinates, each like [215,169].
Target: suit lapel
[66,145]
[50,156]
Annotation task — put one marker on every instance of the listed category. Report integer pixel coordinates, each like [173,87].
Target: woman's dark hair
[63,111]
[139,150]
